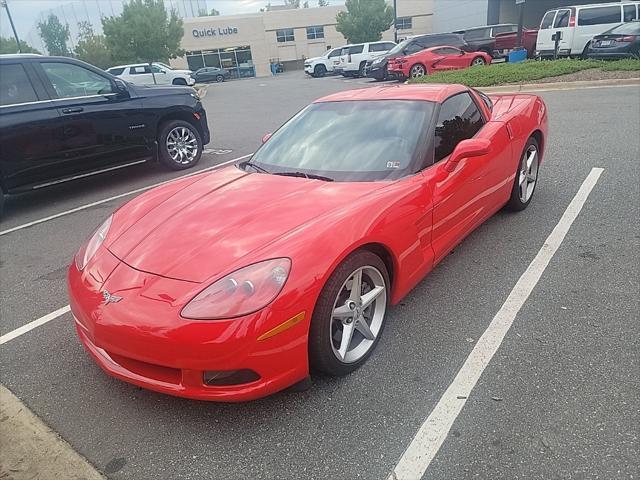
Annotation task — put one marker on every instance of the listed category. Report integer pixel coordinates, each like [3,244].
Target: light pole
[395,20]
[13,27]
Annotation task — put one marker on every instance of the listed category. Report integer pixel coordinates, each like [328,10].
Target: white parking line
[7,337]
[433,432]
[115,197]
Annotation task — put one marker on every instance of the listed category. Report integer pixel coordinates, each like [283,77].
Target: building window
[404,23]
[285,35]
[237,60]
[315,32]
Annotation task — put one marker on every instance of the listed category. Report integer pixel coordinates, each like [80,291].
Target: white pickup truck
[320,66]
[354,58]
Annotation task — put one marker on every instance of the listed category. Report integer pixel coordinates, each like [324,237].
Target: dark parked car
[622,41]
[211,74]
[377,68]
[61,119]
[483,39]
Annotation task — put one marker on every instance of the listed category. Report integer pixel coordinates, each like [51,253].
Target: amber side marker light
[283,326]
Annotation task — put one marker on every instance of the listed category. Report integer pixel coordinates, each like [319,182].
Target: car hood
[157,90]
[314,59]
[208,225]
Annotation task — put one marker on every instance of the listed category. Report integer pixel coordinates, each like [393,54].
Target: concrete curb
[31,450]
[533,87]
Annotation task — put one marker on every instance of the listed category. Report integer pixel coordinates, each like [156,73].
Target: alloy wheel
[417,71]
[478,61]
[182,145]
[358,314]
[528,173]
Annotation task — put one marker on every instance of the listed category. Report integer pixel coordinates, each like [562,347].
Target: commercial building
[248,44]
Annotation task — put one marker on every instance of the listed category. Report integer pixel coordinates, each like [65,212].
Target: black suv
[377,68]
[483,39]
[61,119]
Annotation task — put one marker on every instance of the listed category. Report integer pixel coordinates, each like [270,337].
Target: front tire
[319,71]
[179,145]
[179,81]
[349,316]
[478,61]
[219,78]
[526,177]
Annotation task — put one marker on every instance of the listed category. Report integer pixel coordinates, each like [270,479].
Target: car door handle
[72,110]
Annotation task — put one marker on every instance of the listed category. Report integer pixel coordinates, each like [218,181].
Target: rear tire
[219,78]
[526,178]
[179,81]
[325,334]
[418,70]
[179,145]
[363,65]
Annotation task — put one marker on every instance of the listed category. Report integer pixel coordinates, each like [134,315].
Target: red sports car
[233,284]
[436,59]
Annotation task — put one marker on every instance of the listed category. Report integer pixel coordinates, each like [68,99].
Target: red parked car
[436,59]
[232,284]
[505,42]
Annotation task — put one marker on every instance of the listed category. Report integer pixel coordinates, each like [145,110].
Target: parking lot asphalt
[558,400]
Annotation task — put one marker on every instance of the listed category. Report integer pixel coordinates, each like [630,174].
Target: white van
[354,58]
[579,24]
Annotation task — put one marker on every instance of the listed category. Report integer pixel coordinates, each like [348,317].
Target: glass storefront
[235,59]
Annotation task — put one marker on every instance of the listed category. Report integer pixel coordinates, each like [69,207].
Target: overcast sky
[26,13]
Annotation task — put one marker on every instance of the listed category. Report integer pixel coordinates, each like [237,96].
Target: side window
[140,69]
[562,19]
[378,47]
[458,120]
[156,69]
[356,49]
[15,86]
[335,53]
[504,29]
[547,20]
[448,51]
[629,13]
[71,80]
[116,71]
[477,34]
[413,47]
[599,15]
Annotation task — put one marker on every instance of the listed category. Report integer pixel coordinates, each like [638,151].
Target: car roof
[426,92]
[20,55]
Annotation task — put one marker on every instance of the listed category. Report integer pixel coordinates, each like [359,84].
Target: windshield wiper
[305,175]
[256,167]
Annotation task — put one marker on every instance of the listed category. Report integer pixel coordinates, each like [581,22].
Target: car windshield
[631,28]
[399,47]
[348,141]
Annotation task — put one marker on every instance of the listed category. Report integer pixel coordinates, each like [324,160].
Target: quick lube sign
[214,32]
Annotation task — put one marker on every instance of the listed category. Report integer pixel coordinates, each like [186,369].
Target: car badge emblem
[108,298]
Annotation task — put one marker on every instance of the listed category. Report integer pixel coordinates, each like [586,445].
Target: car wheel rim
[417,71]
[528,174]
[478,61]
[182,145]
[358,314]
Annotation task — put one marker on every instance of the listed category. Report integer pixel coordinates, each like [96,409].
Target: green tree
[203,13]
[323,3]
[292,3]
[364,20]
[8,45]
[92,48]
[54,35]
[143,32]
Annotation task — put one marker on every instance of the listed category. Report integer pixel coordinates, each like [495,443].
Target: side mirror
[121,88]
[266,137]
[472,147]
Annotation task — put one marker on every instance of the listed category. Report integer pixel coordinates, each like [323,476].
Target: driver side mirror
[472,147]
[121,88]
[266,137]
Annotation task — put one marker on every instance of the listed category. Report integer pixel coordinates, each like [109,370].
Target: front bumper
[143,340]
[191,81]
[375,71]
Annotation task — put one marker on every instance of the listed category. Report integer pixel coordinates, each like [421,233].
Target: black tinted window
[378,47]
[562,19]
[69,80]
[413,47]
[458,120]
[335,53]
[599,15]
[116,71]
[629,12]
[547,20]
[448,51]
[15,86]
[476,34]
[504,29]
[356,49]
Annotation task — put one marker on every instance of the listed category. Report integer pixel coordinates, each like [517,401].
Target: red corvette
[436,59]
[233,284]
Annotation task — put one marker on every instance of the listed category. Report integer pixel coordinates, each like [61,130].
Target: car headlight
[376,62]
[89,249]
[242,292]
